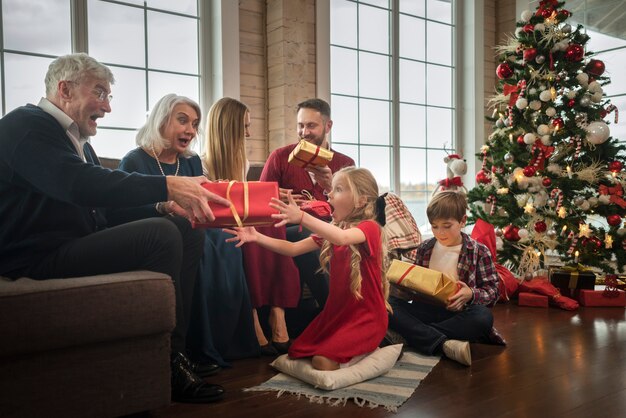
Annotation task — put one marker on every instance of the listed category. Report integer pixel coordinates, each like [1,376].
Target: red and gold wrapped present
[571,280]
[249,203]
[532,299]
[424,283]
[306,154]
[602,298]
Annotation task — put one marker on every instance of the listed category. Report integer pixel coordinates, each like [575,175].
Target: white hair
[74,67]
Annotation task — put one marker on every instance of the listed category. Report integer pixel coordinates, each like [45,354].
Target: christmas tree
[552,178]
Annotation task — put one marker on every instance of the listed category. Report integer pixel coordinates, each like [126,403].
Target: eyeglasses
[100,94]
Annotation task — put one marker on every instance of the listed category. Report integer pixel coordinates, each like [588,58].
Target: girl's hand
[289,213]
[242,235]
[457,301]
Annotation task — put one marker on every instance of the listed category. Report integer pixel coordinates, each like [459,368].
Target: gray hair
[150,135]
[74,67]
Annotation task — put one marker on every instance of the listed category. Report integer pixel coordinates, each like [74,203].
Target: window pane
[160,84]
[24,79]
[412,125]
[414,7]
[374,118]
[189,7]
[436,168]
[373,29]
[614,61]
[343,23]
[373,75]
[113,143]
[440,10]
[439,127]
[1,93]
[172,43]
[112,25]
[412,38]
[345,119]
[412,81]
[412,169]
[439,85]
[618,130]
[417,202]
[439,43]
[600,42]
[376,160]
[128,109]
[343,71]
[351,151]
[40,26]
[380,3]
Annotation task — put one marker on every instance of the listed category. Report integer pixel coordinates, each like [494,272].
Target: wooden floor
[557,364]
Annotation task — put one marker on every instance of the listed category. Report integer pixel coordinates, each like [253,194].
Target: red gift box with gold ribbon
[249,203]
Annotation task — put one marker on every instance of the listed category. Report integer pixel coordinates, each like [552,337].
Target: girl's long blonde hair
[224,155]
[363,185]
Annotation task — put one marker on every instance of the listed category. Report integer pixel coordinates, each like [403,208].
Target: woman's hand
[289,213]
[458,301]
[242,235]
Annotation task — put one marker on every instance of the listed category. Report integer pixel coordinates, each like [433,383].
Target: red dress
[348,327]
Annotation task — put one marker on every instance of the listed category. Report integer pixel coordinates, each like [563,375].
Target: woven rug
[390,390]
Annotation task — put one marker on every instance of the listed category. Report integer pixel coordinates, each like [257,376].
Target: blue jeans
[425,327]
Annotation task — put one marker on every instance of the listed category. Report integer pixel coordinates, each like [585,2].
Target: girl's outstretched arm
[291,213]
[250,234]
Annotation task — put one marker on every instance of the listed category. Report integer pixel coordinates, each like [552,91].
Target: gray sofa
[85,347]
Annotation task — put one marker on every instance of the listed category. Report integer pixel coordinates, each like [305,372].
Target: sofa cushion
[39,315]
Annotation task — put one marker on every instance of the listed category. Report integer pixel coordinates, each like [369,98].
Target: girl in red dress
[354,319]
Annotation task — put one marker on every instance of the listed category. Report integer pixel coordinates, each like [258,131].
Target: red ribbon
[616,192]
[515,90]
[306,163]
[454,181]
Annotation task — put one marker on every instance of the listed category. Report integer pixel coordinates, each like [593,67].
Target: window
[392,89]
[151,46]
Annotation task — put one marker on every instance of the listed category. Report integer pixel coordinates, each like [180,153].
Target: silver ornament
[551,203]
[540,59]
[578,200]
[580,118]
[551,233]
[508,158]
[567,28]
[585,101]
[528,276]
[500,123]
[563,74]
[498,232]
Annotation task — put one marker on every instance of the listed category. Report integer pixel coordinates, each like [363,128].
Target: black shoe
[282,348]
[268,350]
[201,369]
[189,387]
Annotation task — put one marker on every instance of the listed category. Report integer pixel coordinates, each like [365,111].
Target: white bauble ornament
[593,201]
[540,59]
[585,101]
[604,199]
[585,206]
[597,132]
[521,103]
[554,168]
[551,233]
[532,91]
[596,97]
[578,200]
[535,105]
[550,111]
[499,243]
[540,27]
[571,94]
[594,87]
[543,129]
[508,158]
[545,96]
[567,28]
[526,15]
[546,140]
[621,232]
[530,138]
[500,123]
[583,79]
[523,233]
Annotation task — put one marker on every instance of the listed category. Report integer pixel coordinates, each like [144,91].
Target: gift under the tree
[602,298]
[249,203]
[306,154]
[532,299]
[571,280]
[423,283]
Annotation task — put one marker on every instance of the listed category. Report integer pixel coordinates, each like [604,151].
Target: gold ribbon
[574,272]
[246,202]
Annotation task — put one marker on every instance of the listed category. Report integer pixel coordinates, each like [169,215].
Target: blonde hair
[447,204]
[363,185]
[224,155]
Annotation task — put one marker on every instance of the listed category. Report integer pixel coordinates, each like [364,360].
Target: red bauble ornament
[530,171]
[571,103]
[603,113]
[528,28]
[614,220]
[540,226]
[563,14]
[574,52]
[511,233]
[595,67]
[483,177]
[615,166]
[546,182]
[504,71]
[594,243]
[558,123]
[520,140]
[497,170]
[530,54]
[547,12]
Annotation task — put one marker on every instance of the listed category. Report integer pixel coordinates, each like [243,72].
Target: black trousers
[165,245]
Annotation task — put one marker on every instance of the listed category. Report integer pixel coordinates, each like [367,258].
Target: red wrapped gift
[532,299]
[602,298]
[249,203]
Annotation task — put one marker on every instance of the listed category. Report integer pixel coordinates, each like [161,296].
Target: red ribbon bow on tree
[514,90]
[540,157]
[454,181]
[616,192]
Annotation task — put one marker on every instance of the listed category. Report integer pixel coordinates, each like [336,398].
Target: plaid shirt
[475,268]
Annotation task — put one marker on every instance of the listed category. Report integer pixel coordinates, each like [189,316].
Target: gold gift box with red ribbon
[429,285]
[249,203]
[306,154]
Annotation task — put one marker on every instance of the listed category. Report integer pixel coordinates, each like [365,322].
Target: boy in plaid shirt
[433,329]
